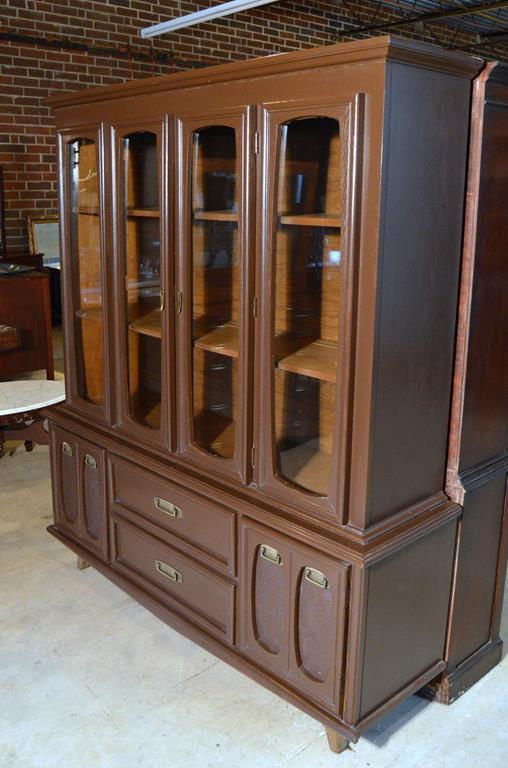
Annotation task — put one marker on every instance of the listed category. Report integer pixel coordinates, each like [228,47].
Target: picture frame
[44,237]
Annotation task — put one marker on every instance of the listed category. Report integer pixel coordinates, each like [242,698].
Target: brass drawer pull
[162,300]
[90,461]
[316,577]
[270,554]
[167,507]
[67,449]
[168,571]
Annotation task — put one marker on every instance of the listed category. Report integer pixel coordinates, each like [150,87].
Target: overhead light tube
[207,14]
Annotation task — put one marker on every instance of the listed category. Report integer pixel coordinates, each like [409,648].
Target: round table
[20,405]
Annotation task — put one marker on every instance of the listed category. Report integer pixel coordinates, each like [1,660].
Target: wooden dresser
[261,274]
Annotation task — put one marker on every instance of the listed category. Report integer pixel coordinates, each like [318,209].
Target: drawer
[197,523]
[187,588]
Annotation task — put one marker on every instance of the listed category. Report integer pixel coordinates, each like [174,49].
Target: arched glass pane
[215,288]
[141,221]
[85,260]
[307,299]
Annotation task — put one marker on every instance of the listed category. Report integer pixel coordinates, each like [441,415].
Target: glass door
[304,313]
[214,292]
[83,272]
[141,295]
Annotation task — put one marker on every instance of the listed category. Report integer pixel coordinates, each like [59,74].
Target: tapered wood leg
[336,741]
[81,564]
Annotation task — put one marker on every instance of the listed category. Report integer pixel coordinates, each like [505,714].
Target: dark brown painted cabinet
[260,331]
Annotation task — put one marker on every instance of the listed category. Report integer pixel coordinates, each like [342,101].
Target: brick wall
[50,47]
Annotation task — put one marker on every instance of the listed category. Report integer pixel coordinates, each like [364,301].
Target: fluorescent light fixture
[207,14]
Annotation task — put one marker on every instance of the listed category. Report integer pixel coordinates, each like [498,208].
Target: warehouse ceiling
[472,25]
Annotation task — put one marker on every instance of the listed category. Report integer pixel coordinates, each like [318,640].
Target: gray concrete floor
[89,678]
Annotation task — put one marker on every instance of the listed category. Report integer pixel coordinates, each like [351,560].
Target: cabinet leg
[336,741]
[81,564]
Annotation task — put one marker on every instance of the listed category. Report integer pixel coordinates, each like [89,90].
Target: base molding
[451,686]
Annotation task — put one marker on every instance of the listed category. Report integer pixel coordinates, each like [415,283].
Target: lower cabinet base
[339,733]
[448,688]
[244,665]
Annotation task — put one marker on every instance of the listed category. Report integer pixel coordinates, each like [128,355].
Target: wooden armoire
[261,273]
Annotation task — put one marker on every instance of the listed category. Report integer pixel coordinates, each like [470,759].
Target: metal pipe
[434,16]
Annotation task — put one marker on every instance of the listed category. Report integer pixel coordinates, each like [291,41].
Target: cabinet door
[79,489]
[305,287]
[83,221]
[64,475]
[141,274]
[294,612]
[93,529]
[214,296]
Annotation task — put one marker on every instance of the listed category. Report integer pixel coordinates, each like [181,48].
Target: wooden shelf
[215,216]
[224,340]
[307,466]
[90,313]
[148,325]
[311,220]
[144,213]
[89,210]
[145,407]
[317,360]
[215,433]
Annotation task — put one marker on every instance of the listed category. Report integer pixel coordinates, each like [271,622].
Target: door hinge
[253,456]
[256,142]
[255,306]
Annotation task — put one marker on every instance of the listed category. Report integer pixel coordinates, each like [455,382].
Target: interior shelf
[90,313]
[224,340]
[311,219]
[89,210]
[148,325]
[215,432]
[148,213]
[147,405]
[317,360]
[215,216]
[307,466]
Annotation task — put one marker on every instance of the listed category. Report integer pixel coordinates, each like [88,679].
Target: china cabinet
[261,270]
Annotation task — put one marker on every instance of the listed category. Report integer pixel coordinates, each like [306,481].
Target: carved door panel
[294,612]
[79,489]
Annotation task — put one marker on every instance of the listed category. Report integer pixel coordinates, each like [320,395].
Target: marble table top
[29,395]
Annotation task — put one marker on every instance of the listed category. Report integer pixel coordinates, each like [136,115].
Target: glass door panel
[86,268]
[310,197]
[143,299]
[215,288]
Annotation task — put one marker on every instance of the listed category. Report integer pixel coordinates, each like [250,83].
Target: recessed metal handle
[178,302]
[167,507]
[168,571]
[90,461]
[162,300]
[316,577]
[67,449]
[270,554]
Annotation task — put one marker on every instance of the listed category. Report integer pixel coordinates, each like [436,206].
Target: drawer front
[198,524]
[189,589]
[294,612]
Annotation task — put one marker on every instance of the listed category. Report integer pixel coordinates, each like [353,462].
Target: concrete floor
[89,678]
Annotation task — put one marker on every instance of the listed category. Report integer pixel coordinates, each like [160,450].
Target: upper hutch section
[263,297]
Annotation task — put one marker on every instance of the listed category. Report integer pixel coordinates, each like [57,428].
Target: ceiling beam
[434,16]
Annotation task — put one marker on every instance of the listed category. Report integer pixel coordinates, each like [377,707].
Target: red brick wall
[50,47]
